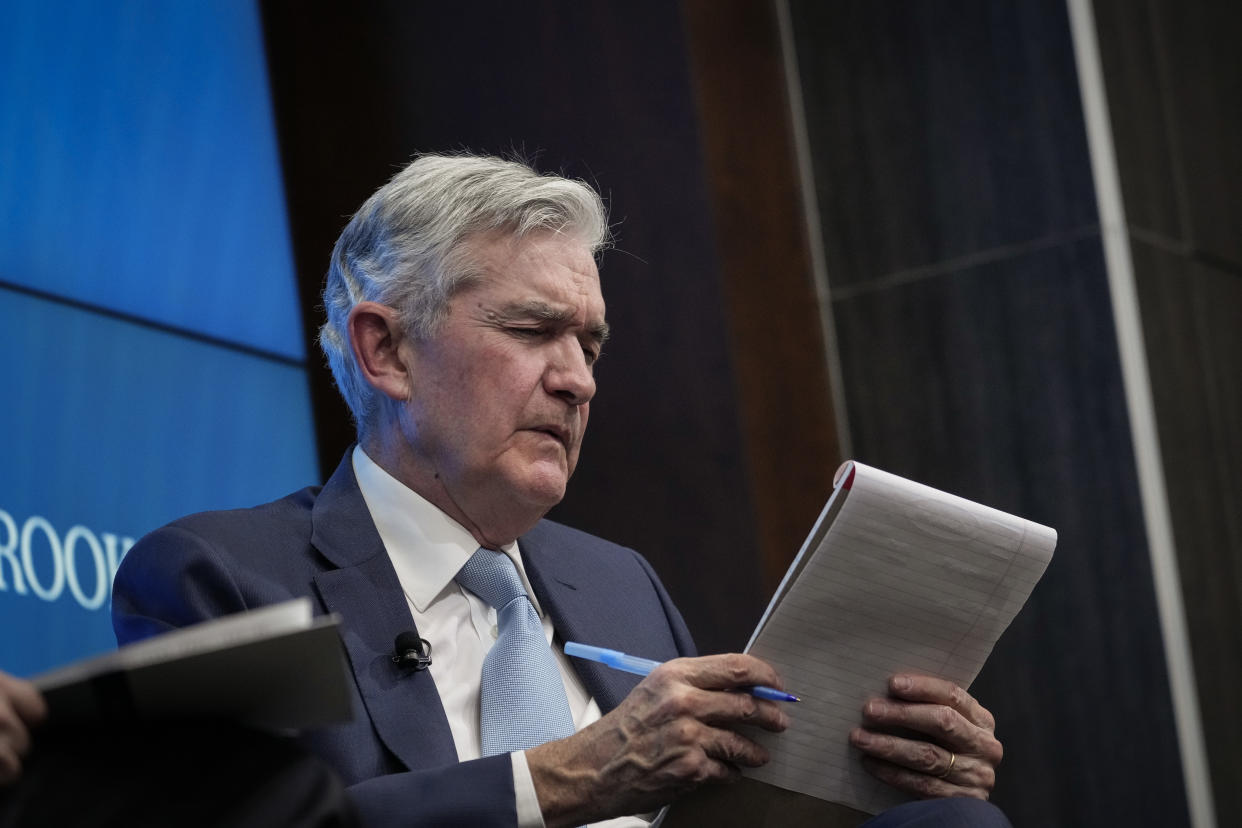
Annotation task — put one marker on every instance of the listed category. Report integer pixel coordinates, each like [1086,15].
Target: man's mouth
[559,433]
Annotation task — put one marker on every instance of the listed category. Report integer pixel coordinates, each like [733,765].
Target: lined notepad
[895,577]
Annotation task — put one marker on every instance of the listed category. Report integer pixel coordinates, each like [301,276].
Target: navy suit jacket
[397,755]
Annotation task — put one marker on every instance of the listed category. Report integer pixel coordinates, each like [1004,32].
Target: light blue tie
[523,698]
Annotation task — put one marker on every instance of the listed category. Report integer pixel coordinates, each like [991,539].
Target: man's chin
[544,487]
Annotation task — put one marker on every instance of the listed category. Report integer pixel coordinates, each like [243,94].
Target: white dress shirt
[427,549]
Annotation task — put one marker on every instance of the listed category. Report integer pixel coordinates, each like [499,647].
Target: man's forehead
[545,259]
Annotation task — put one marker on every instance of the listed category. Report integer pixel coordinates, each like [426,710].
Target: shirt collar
[426,546]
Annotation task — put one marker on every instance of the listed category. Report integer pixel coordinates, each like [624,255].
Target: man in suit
[464,320]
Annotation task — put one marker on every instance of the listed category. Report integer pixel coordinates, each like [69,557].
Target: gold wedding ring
[949,769]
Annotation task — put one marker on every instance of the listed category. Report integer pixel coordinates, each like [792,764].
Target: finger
[727,710]
[926,758]
[734,749]
[941,691]
[923,757]
[940,723]
[10,764]
[692,752]
[14,736]
[919,784]
[726,672]
[666,697]
[25,700]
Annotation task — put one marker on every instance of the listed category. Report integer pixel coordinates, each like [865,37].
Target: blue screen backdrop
[151,356]
[138,165]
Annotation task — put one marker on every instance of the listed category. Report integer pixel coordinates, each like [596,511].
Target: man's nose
[569,376]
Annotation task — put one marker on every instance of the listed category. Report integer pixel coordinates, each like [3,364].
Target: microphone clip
[412,652]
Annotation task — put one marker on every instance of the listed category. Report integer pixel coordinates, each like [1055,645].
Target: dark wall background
[966,286]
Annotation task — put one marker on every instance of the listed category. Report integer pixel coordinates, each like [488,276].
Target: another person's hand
[21,708]
[929,738]
[673,732]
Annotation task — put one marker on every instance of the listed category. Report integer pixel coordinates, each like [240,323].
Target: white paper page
[904,579]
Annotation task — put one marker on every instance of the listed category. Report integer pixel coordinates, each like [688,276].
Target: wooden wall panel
[775,331]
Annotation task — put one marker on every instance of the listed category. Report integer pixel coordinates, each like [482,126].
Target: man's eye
[526,333]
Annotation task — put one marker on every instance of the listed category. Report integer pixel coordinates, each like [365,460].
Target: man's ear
[375,335]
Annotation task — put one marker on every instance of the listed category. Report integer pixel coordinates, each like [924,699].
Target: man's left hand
[946,747]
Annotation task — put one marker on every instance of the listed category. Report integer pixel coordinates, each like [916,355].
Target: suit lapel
[363,589]
[574,600]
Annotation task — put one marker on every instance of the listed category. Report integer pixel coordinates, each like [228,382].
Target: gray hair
[403,248]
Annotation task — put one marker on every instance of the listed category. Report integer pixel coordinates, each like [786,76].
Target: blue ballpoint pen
[642,666]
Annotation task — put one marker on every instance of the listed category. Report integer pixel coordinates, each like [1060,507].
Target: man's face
[500,394]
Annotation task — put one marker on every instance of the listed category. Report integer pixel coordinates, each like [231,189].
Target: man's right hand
[673,732]
[21,708]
